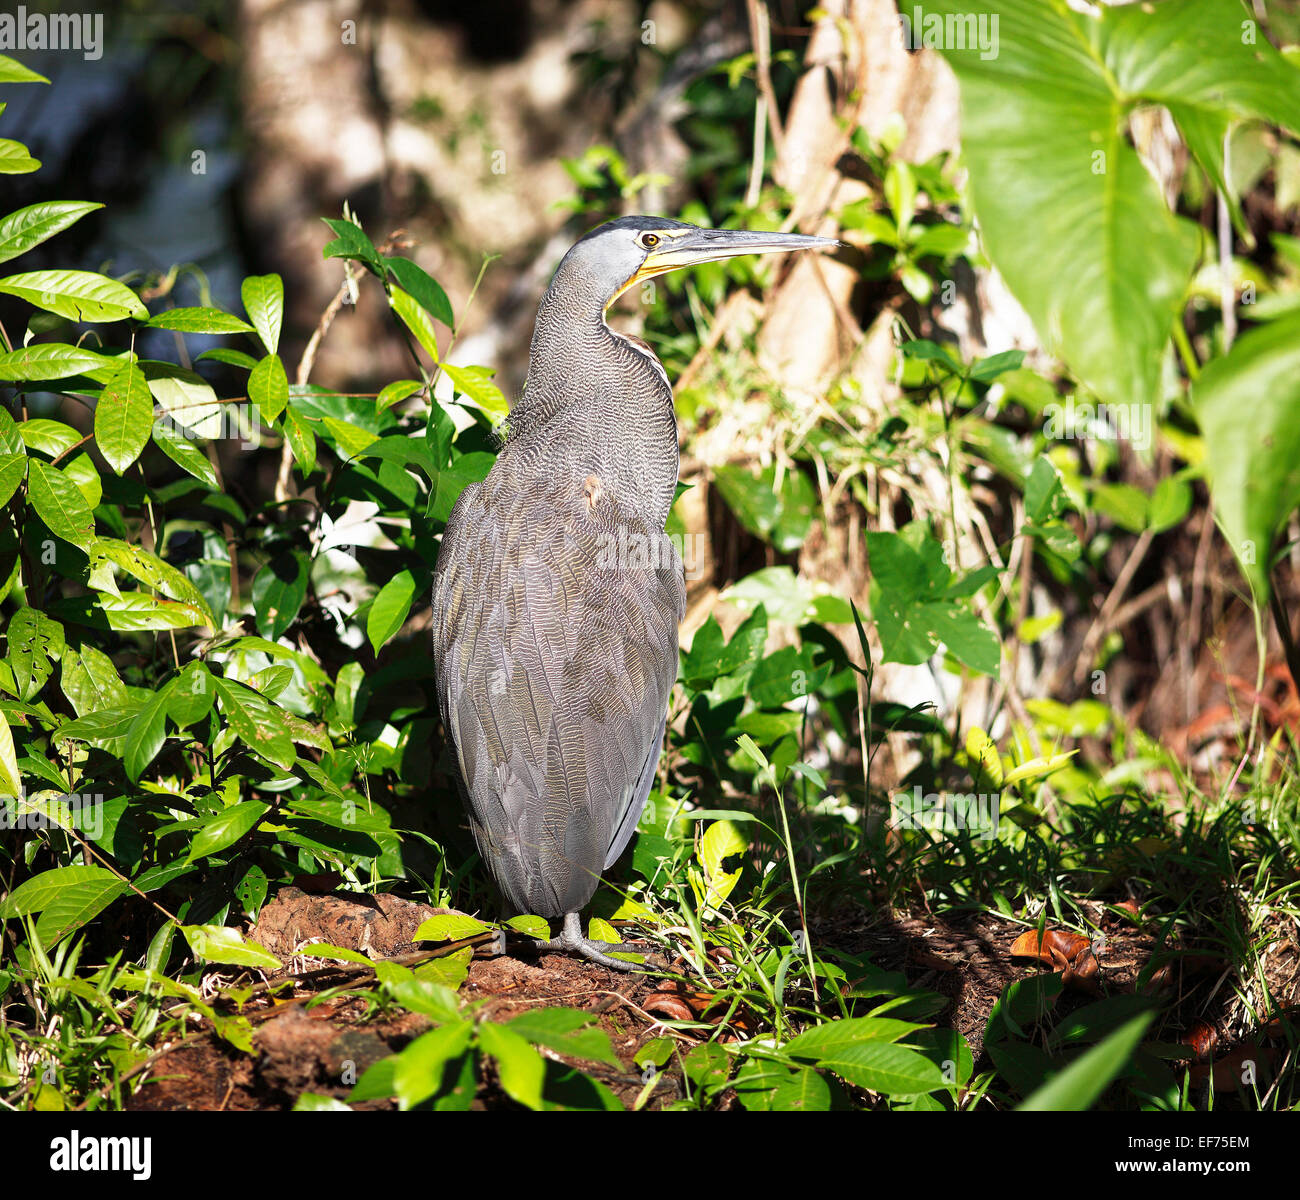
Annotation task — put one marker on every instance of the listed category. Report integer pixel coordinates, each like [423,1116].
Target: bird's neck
[599,403]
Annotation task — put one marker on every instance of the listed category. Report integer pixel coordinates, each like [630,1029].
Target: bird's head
[621,254]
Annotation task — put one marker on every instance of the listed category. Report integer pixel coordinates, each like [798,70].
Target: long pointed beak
[691,247]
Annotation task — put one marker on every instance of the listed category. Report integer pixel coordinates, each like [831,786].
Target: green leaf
[10,780]
[199,320]
[123,417]
[419,1070]
[1246,403]
[416,319]
[783,518]
[12,71]
[222,944]
[268,387]
[60,504]
[13,471]
[567,1031]
[520,1067]
[1103,274]
[1077,1087]
[279,590]
[30,226]
[226,828]
[351,241]
[257,723]
[449,927]
[394,393]
[149,569]
[389,609]
[145,736]
[475,385]
[76,295]
[184,453]
[66,898]
[302,441]
[49,437]
[15,159]
[884,1067]
[50,360]
[427,292]
[824,1039]
[263,297]
[33,640]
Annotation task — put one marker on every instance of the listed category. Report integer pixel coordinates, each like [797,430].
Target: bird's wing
[555,640]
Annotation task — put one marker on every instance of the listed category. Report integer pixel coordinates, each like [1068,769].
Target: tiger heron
[557,594]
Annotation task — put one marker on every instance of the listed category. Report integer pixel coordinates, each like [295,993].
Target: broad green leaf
[10,780]
[130,611]
[188,399]
[59,503]
[1077,1087]
[123,417]
[884,1067]
[199,320]
[351,241]
[394,393]
[263,297]
[567,1031]
[15,158]
[146,735]
[302,440]
[268,387]
[33,640]
[66,898]
[49,437]
[149,569]
[389,609]
[30,226]
[771,1087]
[81,470]
[418,1072]
[426,291]
[184,453]
[37,894]
[350,439]
[475,385]
[257,723]
[823,1039]
[416,319]
[1067,211]
[226,828]
[530,926]
[90,681]
[520,1067]
[12,71]
[449,927]
[279,590]
[50,360]
[76,295]
[1246,403]
[13,470]
[223,944]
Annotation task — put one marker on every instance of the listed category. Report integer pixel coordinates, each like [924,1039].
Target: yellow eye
[649,240]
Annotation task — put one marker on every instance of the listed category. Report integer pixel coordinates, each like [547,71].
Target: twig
[347,294]
[760,32]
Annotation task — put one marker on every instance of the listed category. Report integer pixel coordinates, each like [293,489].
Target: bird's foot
[571,940]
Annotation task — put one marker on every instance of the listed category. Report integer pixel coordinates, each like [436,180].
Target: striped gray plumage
[557,598]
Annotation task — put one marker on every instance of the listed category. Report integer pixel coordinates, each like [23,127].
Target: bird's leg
[572,940]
